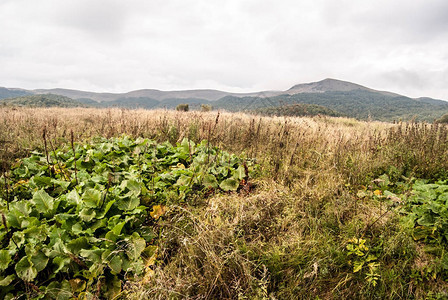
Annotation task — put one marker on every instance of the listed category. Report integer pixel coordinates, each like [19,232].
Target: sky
[232,45]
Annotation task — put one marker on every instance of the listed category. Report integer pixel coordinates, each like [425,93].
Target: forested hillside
[45,100]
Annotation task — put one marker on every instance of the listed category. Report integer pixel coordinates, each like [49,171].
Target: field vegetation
[309,208]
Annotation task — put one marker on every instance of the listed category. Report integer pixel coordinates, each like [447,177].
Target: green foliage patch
[79,224]
[42,100]
[298,110]
[427,209]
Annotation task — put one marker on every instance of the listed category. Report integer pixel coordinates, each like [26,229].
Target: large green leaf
[62,264]
[18,211]
[128,203]
[117,228]
[25,269]
[93,255]
[44,203]
[76,245]
[113,260]
[7,280]
[135,246]
[105,209]
[240,173]
[91,198]
[210,181]
[62,183]
[5,259]
[229,184]
[111,237]
[133,186]
[34,233]
[87,214]
[40,182]
[39,260]
[73,198]
[60,290]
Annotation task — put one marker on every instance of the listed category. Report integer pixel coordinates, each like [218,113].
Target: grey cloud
[406,78]
[405,21]
[233,45]
[99,19]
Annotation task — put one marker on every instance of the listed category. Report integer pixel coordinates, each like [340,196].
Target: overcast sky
[232,45]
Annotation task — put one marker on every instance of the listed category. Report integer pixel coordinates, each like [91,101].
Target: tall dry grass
[290,146]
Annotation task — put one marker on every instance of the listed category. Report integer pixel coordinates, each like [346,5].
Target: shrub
[206,107]
[443,119]
[182,107]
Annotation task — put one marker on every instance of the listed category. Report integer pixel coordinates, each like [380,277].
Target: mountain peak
[326,85]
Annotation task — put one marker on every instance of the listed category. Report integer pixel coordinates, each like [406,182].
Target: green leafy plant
[78,222]
[362,260]
[427,211]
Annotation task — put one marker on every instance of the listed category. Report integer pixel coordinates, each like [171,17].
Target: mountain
[332,85]
[365,104]
[340,97]
[10,93]
[209,95]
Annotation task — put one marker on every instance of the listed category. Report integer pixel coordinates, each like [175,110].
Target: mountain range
[343,97]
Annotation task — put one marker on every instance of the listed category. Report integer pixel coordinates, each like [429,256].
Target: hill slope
[10,93]
[298,110]
[47,100]
[332,85]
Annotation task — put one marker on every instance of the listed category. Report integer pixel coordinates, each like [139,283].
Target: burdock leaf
[62,263]
[44,203]
[135,246]
[7,280]
[210,181]
[87,214]
[128,203]
[73,197]
[115,264]
[39,261]
[229,184]
[240,173]
[5,259]
[91,198]
[25,269]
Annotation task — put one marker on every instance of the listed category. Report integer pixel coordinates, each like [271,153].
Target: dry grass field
[323,218]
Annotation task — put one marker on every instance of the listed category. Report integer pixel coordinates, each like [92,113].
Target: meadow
[332,208]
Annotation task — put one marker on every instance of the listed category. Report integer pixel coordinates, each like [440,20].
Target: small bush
[182,107]
[443,119]
[206,107]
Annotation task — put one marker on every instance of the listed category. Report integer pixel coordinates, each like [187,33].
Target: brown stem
[44,136]
[7,190]
[74,156]
[370,225]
